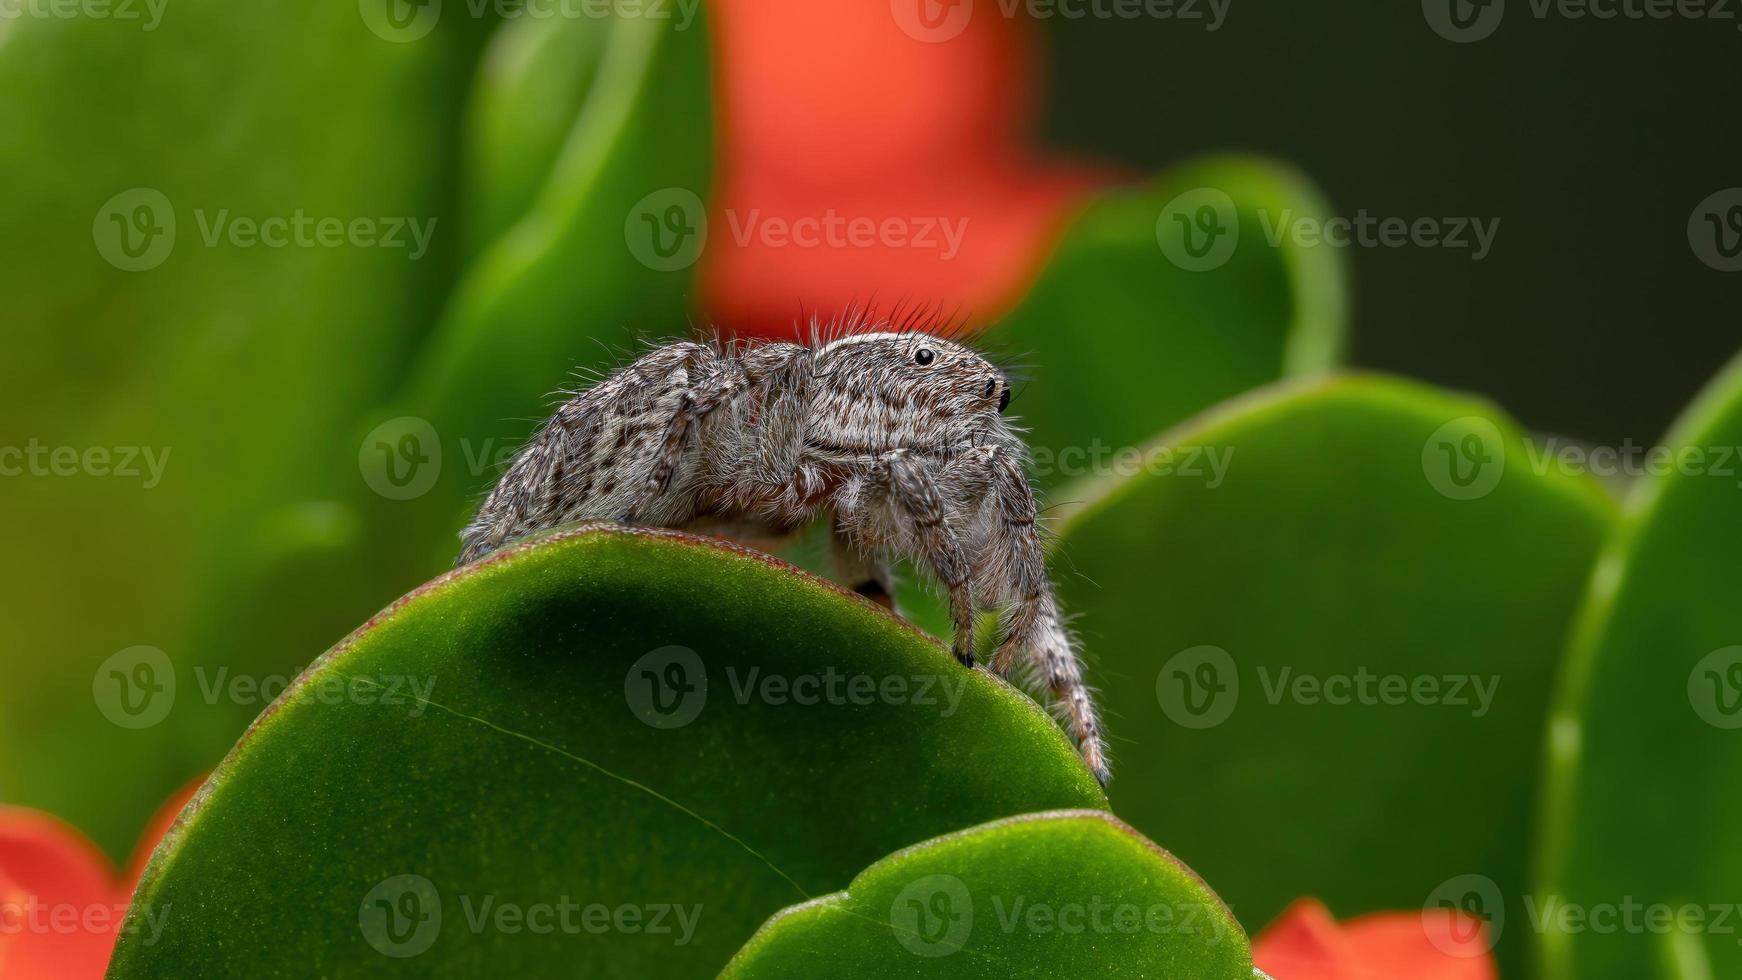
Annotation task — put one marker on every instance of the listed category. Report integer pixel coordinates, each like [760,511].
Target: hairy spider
[898,435]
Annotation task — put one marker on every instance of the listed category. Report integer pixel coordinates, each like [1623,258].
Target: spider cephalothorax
[897,435]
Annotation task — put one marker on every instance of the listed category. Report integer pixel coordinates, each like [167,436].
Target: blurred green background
[1592,141]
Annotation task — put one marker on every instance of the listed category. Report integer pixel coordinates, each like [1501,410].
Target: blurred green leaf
[605,716]
[1329,603]
[572,272]
[1642,799]
[589,142]
[238,363]
[534,81]
[1068,894]
[1128,333]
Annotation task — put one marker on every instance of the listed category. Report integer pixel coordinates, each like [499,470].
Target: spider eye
[924,356]
[1004,400]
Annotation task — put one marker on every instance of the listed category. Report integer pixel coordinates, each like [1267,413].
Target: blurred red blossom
[861,161]
[61,902]
[1305,943]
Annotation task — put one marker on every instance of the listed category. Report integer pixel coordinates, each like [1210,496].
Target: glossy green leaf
[1640,854]
[612,718]
[1067,894]
[144,312]
[1125,332]
[1325,626]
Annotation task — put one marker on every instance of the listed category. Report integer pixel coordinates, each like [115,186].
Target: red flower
[61,902]
[1305,943]
[866,157]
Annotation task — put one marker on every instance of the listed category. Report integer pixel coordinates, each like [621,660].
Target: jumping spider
[897,434]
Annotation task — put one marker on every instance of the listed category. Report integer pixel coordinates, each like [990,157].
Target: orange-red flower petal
[1305,943]
[61,903]
[60,908]
[860,163]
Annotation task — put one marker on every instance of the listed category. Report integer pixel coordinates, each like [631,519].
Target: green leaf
[1326,543]
[607,716]
[586,143]
[568,274]
[1642,800]
[1066,894]
[237,364]
[1121,303]
[534,81]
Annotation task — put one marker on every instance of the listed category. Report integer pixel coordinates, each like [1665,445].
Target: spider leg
[864,573]
[1033,623]
[915,492]
[714,389]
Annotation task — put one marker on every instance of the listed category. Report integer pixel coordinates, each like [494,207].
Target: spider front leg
[913,489]
[1032,621]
